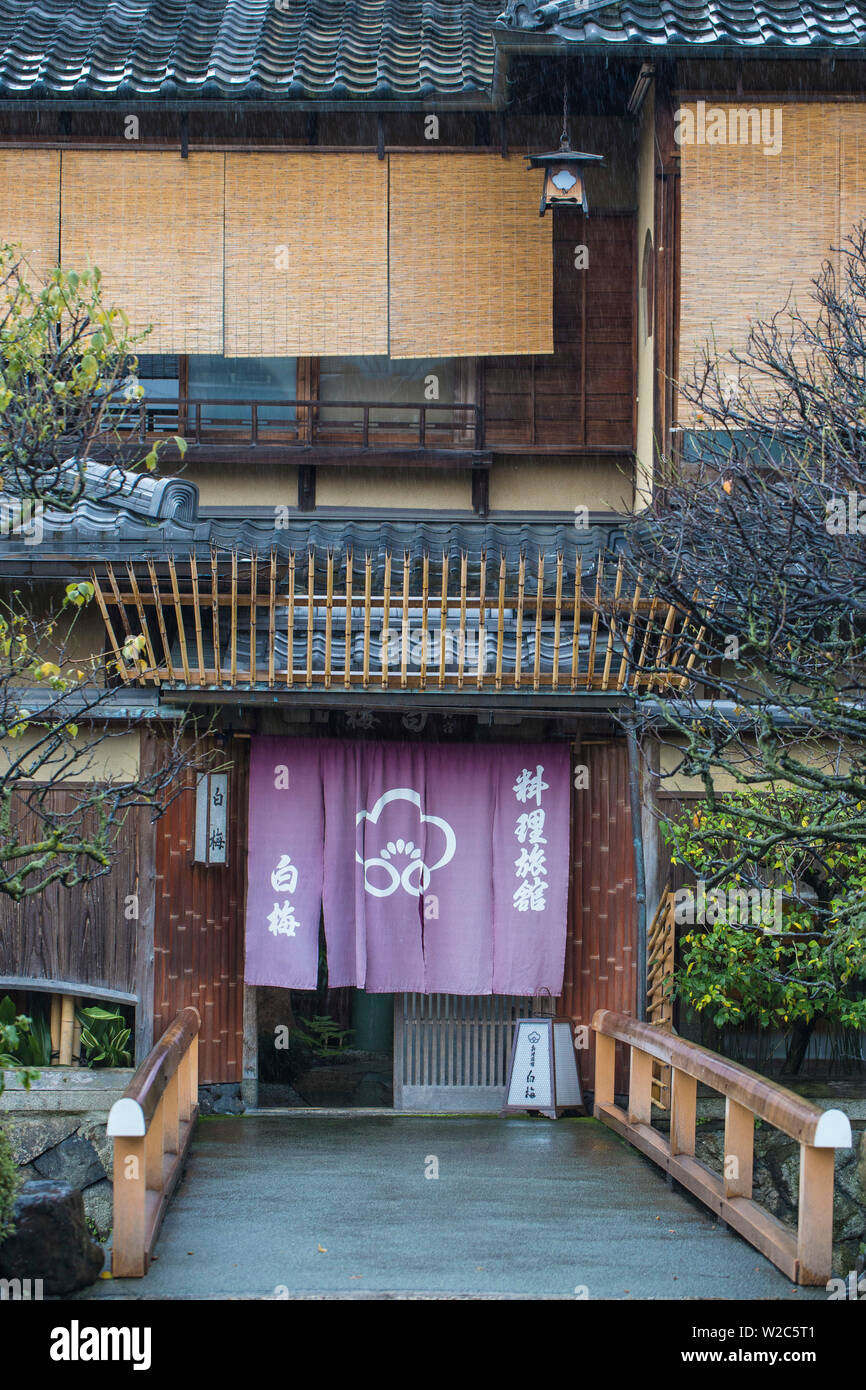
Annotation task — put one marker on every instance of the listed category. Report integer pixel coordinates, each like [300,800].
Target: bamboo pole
[272,617]
[368,589]
[521,586]
[404,632]
[482,630]
[311,591]
[145,629]
[329,615]
[347,660]
[254,584]
[443,620]
[557,621]
[196,613]
[425,616]
[67,1024]
[575,626]
[539,597]
[178,613]
[290,623]
[386,618]
[500,621]
[215,617]
[160,619]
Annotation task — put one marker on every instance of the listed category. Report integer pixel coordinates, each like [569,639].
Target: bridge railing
[152,1125]
[805,1255]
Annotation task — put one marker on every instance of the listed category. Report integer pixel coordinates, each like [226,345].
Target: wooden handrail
[152,1125]
[805,1256]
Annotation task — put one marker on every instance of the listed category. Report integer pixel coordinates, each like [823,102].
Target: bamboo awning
[313,621]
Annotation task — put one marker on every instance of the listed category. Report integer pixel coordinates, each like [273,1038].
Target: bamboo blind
[852,164]
[756,227]
[306,255]
[471,262]
[31,218]
[153,224]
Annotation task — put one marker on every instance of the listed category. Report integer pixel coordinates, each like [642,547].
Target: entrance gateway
[452,1052]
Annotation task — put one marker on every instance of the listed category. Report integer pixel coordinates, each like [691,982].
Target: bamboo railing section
[316,620]
[152,1125]
[804,1255]
[661,939]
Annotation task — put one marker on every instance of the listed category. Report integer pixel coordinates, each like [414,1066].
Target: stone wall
[57,1131]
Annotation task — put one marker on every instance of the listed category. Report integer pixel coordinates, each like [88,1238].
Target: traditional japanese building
[418,417]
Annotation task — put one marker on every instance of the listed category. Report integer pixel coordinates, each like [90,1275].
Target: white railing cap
[126,1120]
[834,1131]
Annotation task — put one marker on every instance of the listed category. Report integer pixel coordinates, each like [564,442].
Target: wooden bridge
[535,1183]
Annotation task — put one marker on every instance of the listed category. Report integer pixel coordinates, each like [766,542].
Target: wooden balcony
[315,433]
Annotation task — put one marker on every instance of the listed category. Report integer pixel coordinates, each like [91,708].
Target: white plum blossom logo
[415,875]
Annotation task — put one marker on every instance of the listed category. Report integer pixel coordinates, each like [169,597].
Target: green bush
[9,1184]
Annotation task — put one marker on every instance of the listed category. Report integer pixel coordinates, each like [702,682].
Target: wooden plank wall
[600,956]
[583,394]
[80,934]
[199,925]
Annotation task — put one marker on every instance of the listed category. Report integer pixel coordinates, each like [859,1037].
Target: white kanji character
[529,785]
[531,824]
[282,921]
[531,861]
[284,878]
[529,897]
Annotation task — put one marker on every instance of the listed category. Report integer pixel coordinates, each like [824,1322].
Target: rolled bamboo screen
[306,255]
[756,227]
[153,224]
[852,165]
[30,204]
[471,262]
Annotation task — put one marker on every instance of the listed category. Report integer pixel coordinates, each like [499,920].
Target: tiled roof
[695,23]
[289,50]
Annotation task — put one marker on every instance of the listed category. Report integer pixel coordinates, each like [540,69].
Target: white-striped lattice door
[452,1051]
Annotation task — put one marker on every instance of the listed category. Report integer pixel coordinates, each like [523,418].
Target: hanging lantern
[564,182]
[563,169]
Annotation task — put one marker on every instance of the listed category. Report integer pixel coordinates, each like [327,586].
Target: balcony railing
[419,425]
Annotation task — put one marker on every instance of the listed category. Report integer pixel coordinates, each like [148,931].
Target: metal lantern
[564,182]
[563,169]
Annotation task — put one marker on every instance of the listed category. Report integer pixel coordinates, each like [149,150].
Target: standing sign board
[543,1068]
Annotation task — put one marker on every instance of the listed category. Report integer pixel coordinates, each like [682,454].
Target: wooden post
[640,1082]
[171,1116]
[67,1025]
[684,1098]
[815,1223]
[193,1073]
[739,1149]
[128,1257]
[154,1148]
[183,1097]
[605,1068]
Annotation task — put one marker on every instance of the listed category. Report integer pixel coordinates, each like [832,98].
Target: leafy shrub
[9,1184]
[104,1037]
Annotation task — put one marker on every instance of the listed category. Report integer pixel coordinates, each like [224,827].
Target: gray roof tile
[697,23]
[218,49]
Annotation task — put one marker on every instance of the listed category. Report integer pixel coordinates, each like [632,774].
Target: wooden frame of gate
[805,1255]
